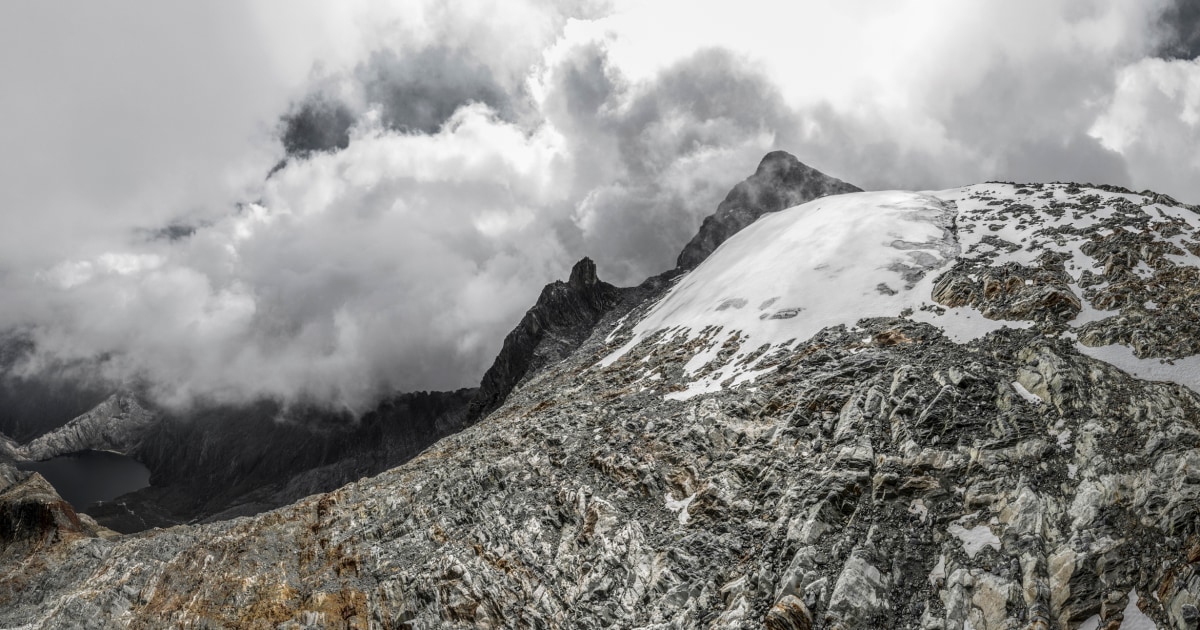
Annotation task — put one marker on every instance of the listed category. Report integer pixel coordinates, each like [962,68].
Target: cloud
[1181,31]
[1153,121]
[445,160]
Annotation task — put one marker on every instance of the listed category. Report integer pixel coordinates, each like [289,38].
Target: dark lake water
[90,476]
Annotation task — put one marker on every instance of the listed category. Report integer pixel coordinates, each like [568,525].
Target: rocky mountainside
[973,408]
[221,461]
[224,461]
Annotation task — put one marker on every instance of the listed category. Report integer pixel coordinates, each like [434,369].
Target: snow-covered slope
[968,260]
[792,273]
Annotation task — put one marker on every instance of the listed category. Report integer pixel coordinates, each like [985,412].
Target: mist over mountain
[431,168]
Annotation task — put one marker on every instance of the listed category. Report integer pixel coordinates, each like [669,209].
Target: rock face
[118,424]
[564,315]
[33,517]
[781,181]
[698,462]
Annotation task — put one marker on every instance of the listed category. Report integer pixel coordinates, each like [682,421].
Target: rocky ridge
[215,462]
[118,424]
[562,318]
[963,462]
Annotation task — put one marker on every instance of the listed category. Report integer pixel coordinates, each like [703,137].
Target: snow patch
[1185,371]
[974,539]
[1064,440]
[1029,396]
[938,572]
[965,323]
[1134,618]
[918,508]
[681,507]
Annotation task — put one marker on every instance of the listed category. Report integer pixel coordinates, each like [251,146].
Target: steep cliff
[118,424]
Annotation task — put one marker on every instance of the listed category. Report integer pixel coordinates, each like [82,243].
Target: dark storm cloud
[1181,25]
[419,91]
[1035,126]
[1080,158]
[410,91]
[318,123]
[653,157]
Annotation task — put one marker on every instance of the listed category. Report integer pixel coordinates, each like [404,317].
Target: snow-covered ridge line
[839,259]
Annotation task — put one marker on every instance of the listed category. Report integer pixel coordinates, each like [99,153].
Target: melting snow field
[839,259]
[788,275]
[974,539]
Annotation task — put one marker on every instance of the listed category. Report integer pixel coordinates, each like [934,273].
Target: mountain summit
[781,181]
[970,408]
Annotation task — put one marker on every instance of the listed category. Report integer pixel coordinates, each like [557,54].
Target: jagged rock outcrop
[563,316]
[34,517]
[781,181]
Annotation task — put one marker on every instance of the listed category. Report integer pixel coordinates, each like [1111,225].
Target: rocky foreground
[960,463]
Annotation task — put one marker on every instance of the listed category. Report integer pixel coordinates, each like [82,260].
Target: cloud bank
[432,165]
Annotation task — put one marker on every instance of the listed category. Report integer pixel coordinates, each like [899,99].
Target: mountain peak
[583,274]
[562,318]
[886,409]
[778,159]
[780,181]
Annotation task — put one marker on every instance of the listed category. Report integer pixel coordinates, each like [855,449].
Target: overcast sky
[433,164]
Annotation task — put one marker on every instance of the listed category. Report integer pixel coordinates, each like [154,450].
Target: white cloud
[1153,120]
